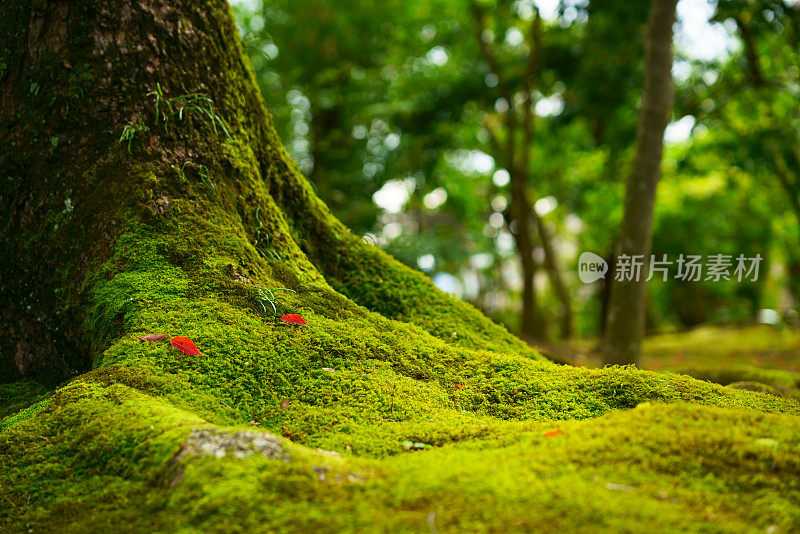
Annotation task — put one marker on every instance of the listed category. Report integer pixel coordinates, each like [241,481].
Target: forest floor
[87,457]
[725,355]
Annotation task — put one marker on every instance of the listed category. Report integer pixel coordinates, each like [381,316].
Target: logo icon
[591,267]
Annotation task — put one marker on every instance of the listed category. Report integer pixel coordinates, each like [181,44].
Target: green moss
[386,358]
[682,467]
[734,345]
[388,377]
[24,414]
[363,384]
[378,282]
[759,354]
[739,373]
[15,396]
[778,391]
[21,400]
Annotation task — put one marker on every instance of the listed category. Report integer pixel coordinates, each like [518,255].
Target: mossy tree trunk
[78,77]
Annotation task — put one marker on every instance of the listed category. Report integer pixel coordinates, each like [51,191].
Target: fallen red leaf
[552,433]
[153,337]
[293,318]
[186,345]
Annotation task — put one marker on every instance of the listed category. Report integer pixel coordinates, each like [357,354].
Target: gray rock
[242,444]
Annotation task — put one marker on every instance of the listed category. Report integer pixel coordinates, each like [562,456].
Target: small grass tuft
[167,108]
[262,241]
[129,132]
[263,296]
[202,172]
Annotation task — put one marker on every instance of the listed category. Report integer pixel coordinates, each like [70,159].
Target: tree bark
[88,213]
[554,273]
[627,307]
[531,323]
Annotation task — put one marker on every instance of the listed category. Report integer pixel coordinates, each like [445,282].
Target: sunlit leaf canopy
[385,106]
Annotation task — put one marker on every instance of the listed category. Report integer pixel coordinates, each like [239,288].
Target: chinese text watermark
[685,268]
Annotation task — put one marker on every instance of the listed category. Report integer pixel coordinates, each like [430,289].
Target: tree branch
[487,51]
[755,73]
[494,140]
[533,69]
[505,90]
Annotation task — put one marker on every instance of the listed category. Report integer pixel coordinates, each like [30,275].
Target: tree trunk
[627,308]
[516,160]
[83,211]
[531,322]
[554,273]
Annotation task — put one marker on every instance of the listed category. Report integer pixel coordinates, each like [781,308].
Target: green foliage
[361,116]
[412,108]
[262,243]
[165,109]
[130,131]
[201,171]
[202,105]
[262,295]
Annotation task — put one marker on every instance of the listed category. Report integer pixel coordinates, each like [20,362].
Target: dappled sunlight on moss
[688,468]
[365,385]
[429,415]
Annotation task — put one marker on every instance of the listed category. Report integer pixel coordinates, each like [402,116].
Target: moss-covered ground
[756,356]
[431,433]
[434,432]
[98,457]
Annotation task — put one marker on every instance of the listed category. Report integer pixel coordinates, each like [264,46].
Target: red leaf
[293,318]
[185,344]
[553,433]
[153,337]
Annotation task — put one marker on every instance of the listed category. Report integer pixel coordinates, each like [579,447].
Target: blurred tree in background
[627,301]
[402,114]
